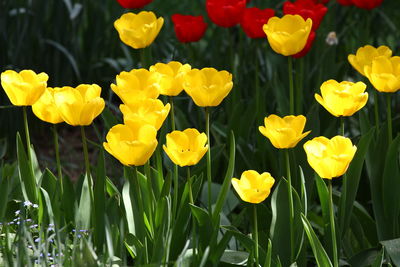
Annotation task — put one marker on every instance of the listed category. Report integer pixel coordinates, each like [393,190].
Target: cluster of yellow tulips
[75,106]
[134,142]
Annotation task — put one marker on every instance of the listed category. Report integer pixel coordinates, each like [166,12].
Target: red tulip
[367,4]
[306,9]
[307,48]
[189,28]
[134,3]
[345,2]
[225,13]
[254,19]
[321,1]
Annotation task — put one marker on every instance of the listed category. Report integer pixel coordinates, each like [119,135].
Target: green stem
[85,152]
[342,125]
[257,85]
[57,152]
[143,59]
[299,87]
[389,115]
[28,139]
[376,108]
[191,201]
[176,190]
[141,226]
[207,111]
[332,223]
[172,113]
[291,210]
[190,186]
[255,233]
[291,92]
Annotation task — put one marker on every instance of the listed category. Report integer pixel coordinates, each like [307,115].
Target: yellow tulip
[149,111]
[253,187]
[366,54]
[384,74]
[342,99]
[80,105]
[132,143]
[172,75]
[137,85]
[186,148]
[284,132]
[23,88]
[330,158]
[207,87]
[287,35]
[138,30]
[45,108]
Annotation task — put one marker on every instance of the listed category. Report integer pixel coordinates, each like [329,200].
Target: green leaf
[128,207]
[269,254]
[351,180]
[280,223]
[227,181]
[85,207]
[99,201]
[390,186]
[392,247]
[365,257]
[200,214]
[109,119]
[238,258]
[48,205]
[4,189]
[378,262]
[319,252]
[26,176]
[111,188]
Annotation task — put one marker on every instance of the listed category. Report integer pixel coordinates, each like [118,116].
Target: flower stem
[190,186]
[255,233]
[85,152]
[299,87]
[57,152]
[207,111]
[332,222]
[342,125]
[376,108]
[291,92]
[191,201]
[176,181]
[28,139]
[172,113]
[389,115]
[291,210]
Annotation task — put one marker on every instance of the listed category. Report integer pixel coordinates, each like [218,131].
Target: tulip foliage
[200,133]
